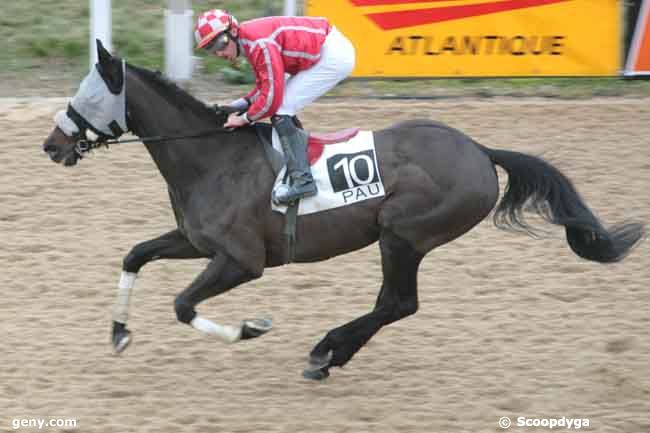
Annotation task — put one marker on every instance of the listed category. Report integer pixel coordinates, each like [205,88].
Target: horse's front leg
[222,274]
[172,245]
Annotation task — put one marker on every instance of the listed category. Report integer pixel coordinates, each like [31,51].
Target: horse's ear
[110,68]
[102,53]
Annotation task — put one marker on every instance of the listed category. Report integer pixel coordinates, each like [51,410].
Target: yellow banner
[451,38]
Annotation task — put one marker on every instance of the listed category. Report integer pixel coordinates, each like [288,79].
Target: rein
[85,145]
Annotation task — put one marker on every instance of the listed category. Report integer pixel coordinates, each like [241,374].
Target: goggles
[219,43]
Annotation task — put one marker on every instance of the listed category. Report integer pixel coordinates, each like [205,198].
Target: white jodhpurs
[335,64]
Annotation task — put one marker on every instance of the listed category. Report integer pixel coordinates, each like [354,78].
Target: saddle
[315,146]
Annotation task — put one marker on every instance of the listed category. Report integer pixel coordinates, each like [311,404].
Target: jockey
[295,61]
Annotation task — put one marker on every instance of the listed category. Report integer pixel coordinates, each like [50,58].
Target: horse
[439,183]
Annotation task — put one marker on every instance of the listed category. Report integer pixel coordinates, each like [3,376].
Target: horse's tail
[535,185]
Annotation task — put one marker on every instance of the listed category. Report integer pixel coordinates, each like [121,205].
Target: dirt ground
[507,326]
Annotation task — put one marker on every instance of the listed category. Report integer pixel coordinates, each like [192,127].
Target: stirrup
[285,195]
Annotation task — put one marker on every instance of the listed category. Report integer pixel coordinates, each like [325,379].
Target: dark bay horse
[439,184]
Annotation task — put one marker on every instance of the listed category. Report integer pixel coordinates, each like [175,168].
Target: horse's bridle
[83,144]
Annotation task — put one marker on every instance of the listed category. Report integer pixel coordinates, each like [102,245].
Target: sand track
[508,325]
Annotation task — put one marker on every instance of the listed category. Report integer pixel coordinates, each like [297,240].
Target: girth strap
[264,133]
[290,223]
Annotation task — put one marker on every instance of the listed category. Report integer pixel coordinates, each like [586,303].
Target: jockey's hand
[235,121]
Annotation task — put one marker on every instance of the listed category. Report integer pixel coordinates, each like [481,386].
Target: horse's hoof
[317,374]
[121,337]
[318,367]
[253,328]
[122,342]
[316,362]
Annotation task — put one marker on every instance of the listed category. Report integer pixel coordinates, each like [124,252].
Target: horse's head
[98,106]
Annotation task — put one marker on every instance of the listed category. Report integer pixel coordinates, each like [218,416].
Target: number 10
[350,170]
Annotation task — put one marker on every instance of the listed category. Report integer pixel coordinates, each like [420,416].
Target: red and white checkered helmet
[210,24]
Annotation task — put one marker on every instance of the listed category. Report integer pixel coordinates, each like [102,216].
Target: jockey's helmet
[214,24]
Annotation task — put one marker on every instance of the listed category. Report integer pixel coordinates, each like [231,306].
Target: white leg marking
[229,334]
[121,310]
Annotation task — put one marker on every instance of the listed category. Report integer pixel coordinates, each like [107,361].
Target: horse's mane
[175,95]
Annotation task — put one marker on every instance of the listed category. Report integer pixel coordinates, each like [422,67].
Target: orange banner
[638,59]
[448,38]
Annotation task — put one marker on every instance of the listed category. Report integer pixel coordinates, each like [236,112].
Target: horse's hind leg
[222,274]
[397,299]
[171,245]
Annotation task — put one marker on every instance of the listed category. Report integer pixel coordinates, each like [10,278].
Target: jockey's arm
[266,98]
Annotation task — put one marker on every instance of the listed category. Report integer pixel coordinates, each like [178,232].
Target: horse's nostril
[49,148]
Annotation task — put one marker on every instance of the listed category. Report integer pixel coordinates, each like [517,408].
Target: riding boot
[294,145]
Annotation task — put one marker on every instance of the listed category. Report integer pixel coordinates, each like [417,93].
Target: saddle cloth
[345,169]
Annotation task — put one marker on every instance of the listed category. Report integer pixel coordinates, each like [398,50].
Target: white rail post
[178,40]
[100,27]
[290,7]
